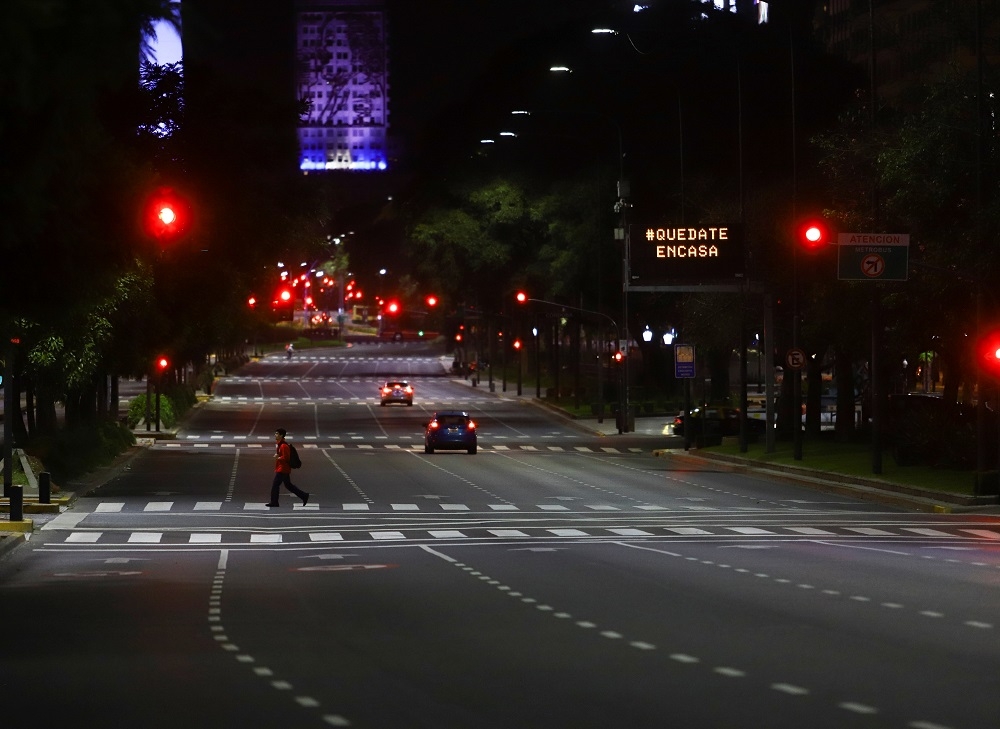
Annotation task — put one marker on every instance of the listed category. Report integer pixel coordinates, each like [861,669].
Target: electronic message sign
[690,253]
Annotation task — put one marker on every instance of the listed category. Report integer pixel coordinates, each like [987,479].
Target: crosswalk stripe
[507,532]
[869,531]
[454,507]
[405,507]
[325,537]
[813,531]
[446,534]
[159,506]
[749,530]
[687,531]
[983,533]
[631,532]
[145,537]
[108,507]
[265,538]
[84,537]
[380,536]
[208,506]
[567,532]
[201,538]
[926,532]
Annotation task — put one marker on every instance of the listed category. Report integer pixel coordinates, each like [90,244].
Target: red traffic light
[166,215]
[252,302]
[813,234]
[618,357]
[989,353]
[517,344]
[162,363]
[432,300]
[521,297]
[392,307]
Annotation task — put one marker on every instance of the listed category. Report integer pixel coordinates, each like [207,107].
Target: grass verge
[855,459]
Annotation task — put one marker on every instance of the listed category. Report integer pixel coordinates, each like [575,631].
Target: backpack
[293,457]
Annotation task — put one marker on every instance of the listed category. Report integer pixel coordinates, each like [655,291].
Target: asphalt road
[554,579]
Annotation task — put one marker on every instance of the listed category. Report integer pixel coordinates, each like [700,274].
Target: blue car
[451,430]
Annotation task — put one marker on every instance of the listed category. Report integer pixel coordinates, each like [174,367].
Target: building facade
[342,84]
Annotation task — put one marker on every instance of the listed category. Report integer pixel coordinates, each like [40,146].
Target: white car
[397,391]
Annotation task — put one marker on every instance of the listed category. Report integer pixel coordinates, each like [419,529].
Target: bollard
[17,503]
[44,488]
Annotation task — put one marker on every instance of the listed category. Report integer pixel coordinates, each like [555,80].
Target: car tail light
[386,390]
[409,390]
[471,425]
[434,425]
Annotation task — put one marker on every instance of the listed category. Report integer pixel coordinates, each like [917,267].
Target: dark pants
[286,479]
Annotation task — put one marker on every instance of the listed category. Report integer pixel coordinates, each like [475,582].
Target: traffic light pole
[600,358]
[9,408]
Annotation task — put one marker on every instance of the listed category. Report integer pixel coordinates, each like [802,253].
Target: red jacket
[281,463]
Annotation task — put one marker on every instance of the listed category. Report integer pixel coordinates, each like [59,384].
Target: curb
[17,527]
[10,541]
[867,489]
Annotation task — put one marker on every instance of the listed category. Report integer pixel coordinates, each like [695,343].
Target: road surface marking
[325,537]
[84,537]
[145,537]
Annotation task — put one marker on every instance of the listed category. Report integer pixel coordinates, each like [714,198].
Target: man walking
[283,471]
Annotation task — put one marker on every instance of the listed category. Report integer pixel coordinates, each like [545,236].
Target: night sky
[444,51]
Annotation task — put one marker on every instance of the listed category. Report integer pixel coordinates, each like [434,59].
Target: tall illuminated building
[342,84]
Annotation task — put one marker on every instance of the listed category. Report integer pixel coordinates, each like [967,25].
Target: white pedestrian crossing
[236,537]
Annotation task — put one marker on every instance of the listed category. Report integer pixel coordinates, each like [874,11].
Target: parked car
[451,430]
[396,391]
[715,421]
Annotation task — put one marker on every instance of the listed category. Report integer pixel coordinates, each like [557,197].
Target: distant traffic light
[521,297]
[517,344]
[252,302]
[618,357]
[392,307]
[162,363]
[813,234]
[283,304]
[431,300]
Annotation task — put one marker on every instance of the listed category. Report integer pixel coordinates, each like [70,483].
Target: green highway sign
[873,256]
